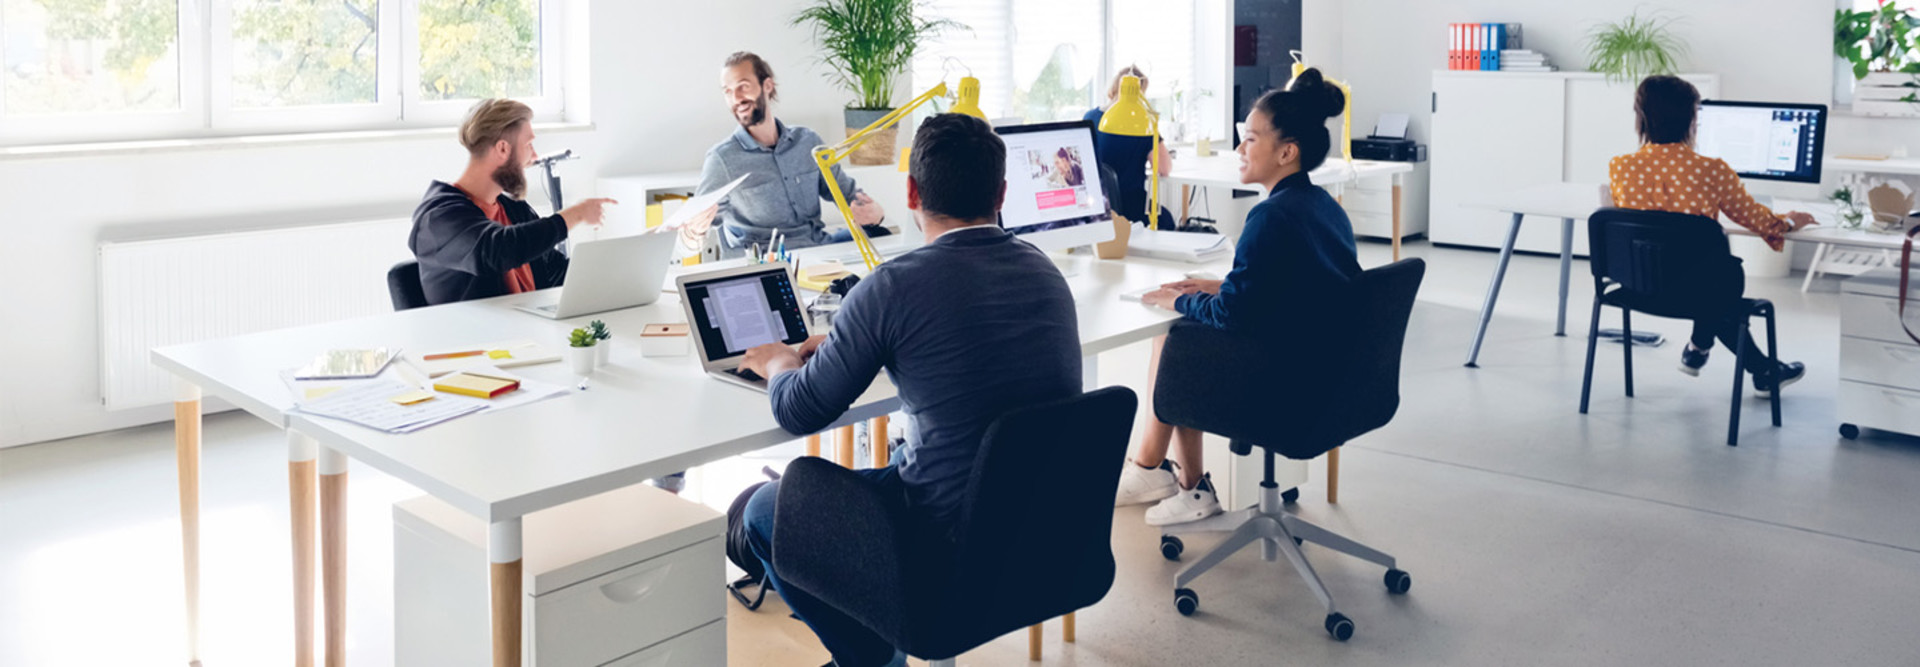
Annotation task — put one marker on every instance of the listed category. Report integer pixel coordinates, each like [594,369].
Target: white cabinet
[628,577]
[1879,364]
[1497,131]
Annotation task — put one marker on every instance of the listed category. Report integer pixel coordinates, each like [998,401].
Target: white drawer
[1375,225]
[603,618]
[1884,408]
[704,647]
[1875,317]
[1878,362]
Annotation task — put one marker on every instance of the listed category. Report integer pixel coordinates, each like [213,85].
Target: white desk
[1222,170]
[643,417]
[1904,166]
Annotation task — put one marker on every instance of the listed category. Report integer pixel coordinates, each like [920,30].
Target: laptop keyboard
[744,374]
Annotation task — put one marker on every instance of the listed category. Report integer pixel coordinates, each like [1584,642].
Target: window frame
[549,105]
[225,118]
[78,126]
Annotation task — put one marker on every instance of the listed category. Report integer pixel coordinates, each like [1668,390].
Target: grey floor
[1535,535]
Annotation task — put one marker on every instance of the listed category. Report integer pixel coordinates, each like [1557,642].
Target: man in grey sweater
[969,327]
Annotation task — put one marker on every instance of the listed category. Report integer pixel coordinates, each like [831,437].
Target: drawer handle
[1904,354]
[626,591]
[1905,399]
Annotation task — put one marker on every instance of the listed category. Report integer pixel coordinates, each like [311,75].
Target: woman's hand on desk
[772,359]
[1797,221]
[1162,298]
[1190,285]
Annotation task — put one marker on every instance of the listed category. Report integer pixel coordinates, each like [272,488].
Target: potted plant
[866,46]
[602,343]
[1879,44]
[1634,48]
[1850,211]
[580,351]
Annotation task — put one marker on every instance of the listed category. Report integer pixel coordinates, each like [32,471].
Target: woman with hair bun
[1291,268]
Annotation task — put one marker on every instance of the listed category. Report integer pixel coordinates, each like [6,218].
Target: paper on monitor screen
[699,204]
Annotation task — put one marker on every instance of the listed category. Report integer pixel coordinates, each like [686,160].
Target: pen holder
[664,340]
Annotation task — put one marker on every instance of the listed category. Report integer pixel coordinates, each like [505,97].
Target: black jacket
[464,255]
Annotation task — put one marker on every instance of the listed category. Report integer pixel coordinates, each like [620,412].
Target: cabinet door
[1492,134]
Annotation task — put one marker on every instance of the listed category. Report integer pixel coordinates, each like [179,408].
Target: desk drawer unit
[1876,406]
[1879,363]
[705,646]
[1874,318]
[642,604]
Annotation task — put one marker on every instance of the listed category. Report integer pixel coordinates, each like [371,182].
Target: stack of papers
[1193,247]
[398,402]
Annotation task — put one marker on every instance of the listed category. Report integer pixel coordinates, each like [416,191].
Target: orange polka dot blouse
[1671,177]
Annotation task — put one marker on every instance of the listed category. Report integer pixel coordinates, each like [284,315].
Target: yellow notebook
[475,384]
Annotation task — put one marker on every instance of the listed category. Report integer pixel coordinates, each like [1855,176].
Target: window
[89,70]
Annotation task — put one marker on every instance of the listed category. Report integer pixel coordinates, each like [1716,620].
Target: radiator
[182,290]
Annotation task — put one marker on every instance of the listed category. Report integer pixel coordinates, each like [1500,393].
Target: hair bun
[1316,95]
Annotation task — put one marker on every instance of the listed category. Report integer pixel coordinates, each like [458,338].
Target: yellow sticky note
[690,260]
[905,152]
[656,214]
[499,354]
[320,392]
[413,397]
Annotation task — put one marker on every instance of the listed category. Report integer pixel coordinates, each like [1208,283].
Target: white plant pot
[602,351]
[582,359]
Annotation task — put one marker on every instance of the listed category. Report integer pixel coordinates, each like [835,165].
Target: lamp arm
[827,156]
[1153,167]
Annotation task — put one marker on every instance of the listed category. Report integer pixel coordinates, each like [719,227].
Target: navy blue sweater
[968,328]
[1294,262]
[464,255]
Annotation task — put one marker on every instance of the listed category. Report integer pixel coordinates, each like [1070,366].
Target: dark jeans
[1731,327]
[850,642]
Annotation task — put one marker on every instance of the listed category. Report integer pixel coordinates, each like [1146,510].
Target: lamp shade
[1129,115]
[969,102]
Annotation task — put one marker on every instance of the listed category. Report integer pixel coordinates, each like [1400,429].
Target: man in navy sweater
[969,327]
[474,237]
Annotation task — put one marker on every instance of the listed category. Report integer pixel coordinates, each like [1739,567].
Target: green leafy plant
[1876,40]
[581,338]
[599,330]
[867,44]
[1851,212]
[1634,48]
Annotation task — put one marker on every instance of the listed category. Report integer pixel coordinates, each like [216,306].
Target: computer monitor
[1764,140]
[1054,199]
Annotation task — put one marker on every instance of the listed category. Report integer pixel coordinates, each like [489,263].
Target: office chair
[1667,265]
[403,285]
[1009,566]
[1206,382]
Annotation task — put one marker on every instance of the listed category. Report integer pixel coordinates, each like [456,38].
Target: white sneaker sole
[1184,517]
[1761,393]
[1689,370]
[1145,497]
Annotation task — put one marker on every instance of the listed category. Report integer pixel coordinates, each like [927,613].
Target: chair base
[1279,533]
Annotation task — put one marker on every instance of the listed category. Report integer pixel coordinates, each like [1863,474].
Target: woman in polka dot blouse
[1667,175]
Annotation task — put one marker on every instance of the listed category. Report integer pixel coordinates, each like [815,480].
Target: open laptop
[733,310]
[609,274]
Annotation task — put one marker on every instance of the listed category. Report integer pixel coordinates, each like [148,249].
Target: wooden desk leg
[1396,222]
[503,551]
[1333,476]
[813,445]
[1033,642]
[333,553]
[877,429]
[301,452]
[186,448]
[843,447]
[1186,196]
[1066,627]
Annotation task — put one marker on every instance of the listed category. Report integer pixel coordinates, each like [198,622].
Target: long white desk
[1222,170]
[642,417]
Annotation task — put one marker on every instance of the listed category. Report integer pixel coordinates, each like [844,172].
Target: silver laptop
[732,310]
[609,274]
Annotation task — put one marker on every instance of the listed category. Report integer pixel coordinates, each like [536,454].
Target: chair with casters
[1248,389]
[1668,265]
[403,286]
[1005,566]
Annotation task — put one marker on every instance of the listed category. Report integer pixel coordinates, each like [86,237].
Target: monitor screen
[1053,181]
[733,314]
[1763,140]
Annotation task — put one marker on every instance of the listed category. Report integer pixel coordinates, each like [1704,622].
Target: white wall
[655,104]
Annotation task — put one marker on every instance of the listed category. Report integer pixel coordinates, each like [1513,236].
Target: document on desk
[698,205]
[378,404]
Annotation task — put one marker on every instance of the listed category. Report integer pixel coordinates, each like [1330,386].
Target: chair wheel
[1186,601]
[1339,626]
[1290,496]
[1398,581]
[1849,431]
[1171,546]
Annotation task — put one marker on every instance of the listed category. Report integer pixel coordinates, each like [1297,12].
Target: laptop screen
[735,313]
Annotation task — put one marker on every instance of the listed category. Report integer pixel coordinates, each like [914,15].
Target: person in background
[784,190]
[1667,175]
[1009,338]
[1127,157]
[475,237]
[1291,270]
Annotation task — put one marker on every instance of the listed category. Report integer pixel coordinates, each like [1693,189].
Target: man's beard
[512,176]
[758,115]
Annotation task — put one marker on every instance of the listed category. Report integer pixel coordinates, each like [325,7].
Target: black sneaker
[1789,373]
[1691,359]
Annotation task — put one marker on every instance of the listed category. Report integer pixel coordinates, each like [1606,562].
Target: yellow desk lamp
[1346,114]
[827,156]
[1131,117]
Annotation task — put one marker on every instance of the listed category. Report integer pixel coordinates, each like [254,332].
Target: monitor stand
[1069,264]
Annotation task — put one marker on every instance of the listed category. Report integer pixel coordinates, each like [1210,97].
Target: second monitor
[1054,199]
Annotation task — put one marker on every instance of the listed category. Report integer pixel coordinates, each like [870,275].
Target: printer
[1389,142]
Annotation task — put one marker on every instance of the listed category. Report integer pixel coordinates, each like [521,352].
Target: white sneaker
[1192,504]
[1145,485]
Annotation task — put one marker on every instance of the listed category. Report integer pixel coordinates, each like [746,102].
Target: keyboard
[743,374]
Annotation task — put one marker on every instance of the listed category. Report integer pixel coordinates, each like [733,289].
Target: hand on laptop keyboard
[745,374]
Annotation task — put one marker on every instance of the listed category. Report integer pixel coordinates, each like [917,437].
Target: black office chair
[403,285]
[1297,403]
[1667,265]
[1014,566]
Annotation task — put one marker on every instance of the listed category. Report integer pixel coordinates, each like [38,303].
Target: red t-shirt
[520,278]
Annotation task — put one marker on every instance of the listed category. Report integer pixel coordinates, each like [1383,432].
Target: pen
[453,355]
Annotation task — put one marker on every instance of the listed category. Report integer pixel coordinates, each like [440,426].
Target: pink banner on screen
[1054,198]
